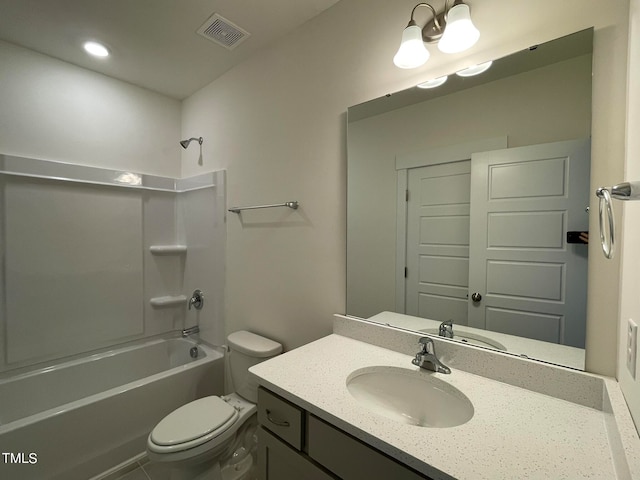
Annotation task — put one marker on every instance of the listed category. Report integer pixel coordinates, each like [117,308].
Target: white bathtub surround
[568,431]
[201,225]
[97,257]
[84,416]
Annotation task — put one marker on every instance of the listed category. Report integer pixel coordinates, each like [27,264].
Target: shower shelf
[168,249]
[168,301]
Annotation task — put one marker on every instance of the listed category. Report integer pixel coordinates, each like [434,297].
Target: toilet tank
[245,350]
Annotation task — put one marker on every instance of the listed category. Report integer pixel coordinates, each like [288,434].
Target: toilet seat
[192,425]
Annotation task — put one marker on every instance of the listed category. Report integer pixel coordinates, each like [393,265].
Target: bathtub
[79,418]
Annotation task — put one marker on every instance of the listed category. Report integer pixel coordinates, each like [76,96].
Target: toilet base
[244,469]
[234,459]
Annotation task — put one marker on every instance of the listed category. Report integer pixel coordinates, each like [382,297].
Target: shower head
[185,143]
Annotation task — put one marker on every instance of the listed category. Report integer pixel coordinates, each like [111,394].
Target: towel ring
[606,216]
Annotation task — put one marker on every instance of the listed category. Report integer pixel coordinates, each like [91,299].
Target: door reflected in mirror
[466,203]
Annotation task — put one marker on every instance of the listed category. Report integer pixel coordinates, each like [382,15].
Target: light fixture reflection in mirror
[474,70]
[433,83]
[452,29]
[532,98]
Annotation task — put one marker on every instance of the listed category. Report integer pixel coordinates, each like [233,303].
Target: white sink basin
[409,396]
[471,339]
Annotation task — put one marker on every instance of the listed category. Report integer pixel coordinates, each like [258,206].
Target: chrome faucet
[190,331]
[446,329]
[427,359]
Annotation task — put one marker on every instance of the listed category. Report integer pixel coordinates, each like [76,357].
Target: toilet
[213,438]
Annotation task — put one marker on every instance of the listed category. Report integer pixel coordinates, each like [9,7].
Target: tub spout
[190,331]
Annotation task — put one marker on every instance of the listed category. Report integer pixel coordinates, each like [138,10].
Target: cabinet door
[277,461]
[350,458]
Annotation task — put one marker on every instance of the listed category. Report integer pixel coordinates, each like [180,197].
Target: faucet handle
[427,357]
[197,299]
[446,329]
[427,345]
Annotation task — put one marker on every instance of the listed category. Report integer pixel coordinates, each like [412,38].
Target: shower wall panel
[73,267]
[201,225]
[91,258]
[163,274]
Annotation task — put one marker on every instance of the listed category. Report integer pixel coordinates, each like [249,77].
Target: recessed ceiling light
[433,83]
[96,49]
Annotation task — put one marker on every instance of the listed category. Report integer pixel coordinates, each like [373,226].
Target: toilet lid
[194,420]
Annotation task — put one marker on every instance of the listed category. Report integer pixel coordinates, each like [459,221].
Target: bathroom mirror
[466,203]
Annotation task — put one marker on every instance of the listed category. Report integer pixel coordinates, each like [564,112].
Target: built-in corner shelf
[168,249]
[168,301]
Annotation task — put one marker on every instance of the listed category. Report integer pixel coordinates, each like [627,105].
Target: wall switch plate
[632,346]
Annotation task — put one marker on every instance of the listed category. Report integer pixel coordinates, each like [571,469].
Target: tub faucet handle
[197,300]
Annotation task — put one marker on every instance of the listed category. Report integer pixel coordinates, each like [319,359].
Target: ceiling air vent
[225,33]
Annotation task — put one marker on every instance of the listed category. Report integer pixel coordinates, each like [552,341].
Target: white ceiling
[153,43]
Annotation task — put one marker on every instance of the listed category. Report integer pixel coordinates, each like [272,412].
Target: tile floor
[140,470]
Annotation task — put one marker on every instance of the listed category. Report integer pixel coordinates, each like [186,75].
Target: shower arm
[185,143]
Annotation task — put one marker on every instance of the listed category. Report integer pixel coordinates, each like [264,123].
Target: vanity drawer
[349,458]
[281,417]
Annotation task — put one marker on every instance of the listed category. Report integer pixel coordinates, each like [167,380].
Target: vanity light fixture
[433,83]
[474,70]
[452,29]
[96,49]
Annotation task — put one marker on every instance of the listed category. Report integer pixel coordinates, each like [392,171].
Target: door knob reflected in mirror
[476,297]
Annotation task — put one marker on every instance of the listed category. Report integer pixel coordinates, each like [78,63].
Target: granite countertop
[515,433]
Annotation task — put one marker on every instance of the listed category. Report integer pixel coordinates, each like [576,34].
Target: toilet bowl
[213,438]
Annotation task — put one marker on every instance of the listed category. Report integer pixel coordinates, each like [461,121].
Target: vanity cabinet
[294,444]
[278,461]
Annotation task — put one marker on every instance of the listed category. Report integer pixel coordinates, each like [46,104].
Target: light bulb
[412,52]
[96,49]
[460,34]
